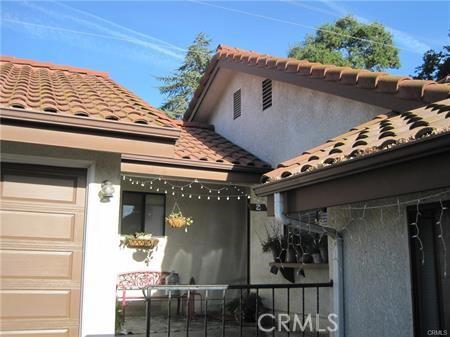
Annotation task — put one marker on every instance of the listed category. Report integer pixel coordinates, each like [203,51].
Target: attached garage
[42,213]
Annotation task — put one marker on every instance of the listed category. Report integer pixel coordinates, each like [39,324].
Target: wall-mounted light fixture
[106,191]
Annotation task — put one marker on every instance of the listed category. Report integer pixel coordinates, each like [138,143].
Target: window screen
[143,212]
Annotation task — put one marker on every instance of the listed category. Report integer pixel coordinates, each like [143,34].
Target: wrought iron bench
[135,282]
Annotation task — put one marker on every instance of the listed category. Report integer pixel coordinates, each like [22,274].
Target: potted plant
[250,302]
[305,242]
[275,243]
[178,220]
[139,240]
[323,247]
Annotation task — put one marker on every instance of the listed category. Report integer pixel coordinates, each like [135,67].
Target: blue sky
[134,41]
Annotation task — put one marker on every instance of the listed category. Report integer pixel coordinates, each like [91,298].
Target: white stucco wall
[298,120]
[101,225]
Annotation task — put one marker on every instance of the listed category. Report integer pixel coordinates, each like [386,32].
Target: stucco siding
[298,120]
[377,287]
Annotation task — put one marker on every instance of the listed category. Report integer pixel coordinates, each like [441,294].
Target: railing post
[289,308]
[240,313]
[257,312]
[317,310]
[303,310]
[206,314]
[169,312]
[188,313]
[273,311]
[223,312]
[149,313]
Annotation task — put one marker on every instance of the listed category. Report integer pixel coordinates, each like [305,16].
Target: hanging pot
[291,256]
[324,254]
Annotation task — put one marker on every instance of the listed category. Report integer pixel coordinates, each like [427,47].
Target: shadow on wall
[212,251]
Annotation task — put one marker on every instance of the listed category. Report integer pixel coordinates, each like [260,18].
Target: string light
[228,192]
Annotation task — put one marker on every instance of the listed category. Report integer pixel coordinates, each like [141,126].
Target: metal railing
[202,293]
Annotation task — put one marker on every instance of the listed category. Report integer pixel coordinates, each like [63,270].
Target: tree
[180,87]
[348,42]
[435,66]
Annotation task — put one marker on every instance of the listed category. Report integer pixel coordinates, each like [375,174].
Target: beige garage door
[41,246]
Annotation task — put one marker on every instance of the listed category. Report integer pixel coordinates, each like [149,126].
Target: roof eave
[423,147]
[196,164]
[32,116]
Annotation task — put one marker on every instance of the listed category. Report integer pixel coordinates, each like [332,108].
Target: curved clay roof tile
[335,73]
[390,84]
[319,71]
[436,92]
[369,80]
[305,69]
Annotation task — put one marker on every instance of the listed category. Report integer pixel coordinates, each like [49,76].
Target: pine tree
[180,87]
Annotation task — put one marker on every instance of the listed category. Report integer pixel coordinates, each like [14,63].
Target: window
[237,104]
[266,94]
[143,212]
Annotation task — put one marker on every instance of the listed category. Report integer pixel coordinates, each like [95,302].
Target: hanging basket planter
[139,240]
[177,220]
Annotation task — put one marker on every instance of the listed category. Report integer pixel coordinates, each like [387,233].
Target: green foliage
[180,86]
[348,42]
[435,65]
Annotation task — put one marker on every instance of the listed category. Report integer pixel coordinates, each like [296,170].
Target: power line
[292,23]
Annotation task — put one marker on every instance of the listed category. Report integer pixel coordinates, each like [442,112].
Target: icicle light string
[441,236]
[417,234]
[162,185]
[398,203]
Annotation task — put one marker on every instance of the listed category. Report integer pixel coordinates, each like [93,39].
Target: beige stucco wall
[213,251]
[377,275]
[298,120]
[101,225]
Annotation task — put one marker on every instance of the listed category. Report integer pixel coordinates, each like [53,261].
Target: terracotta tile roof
[54,89]
[46,87]
[400,86]
[199,142]
[381,133]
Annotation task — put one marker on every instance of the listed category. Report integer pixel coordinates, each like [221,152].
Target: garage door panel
[40,188]
[40,264]
[41,241]
[39,304]
[40,333]
[37,225]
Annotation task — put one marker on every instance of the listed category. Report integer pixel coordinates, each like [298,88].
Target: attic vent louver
[237,104]
[266,94]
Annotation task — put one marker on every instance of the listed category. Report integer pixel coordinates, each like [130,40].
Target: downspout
[337,276]
[336,256]
[279,209]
